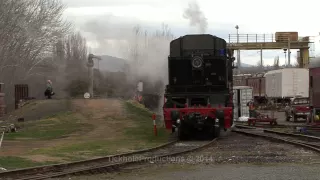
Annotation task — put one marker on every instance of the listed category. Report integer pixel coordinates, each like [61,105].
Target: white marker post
[1,139]
[154,124]
[86,95]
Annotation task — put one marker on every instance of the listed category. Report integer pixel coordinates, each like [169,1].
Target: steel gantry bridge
[270,42]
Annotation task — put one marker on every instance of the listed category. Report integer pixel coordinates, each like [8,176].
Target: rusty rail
[95,165]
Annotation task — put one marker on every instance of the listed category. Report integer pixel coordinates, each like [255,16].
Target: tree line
[37,44]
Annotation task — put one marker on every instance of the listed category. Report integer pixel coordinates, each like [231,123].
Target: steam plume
[196,17]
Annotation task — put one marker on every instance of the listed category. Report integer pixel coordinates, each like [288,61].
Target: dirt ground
[102,114]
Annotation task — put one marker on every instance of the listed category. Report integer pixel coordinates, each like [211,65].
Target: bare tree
[148,54]
[276,63]
[28,30]
[76,51]
[70,57]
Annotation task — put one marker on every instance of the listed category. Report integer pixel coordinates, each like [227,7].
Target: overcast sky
[113,19]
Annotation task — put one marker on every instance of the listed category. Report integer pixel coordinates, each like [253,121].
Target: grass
[144,129]
[139,136]
[53,127]
[11,162]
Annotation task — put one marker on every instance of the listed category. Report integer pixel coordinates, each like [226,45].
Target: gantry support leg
[230,52]
[304,58]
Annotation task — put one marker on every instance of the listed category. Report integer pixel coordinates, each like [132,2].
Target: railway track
[293,126]
[108,163]
[309,142]
[264,125]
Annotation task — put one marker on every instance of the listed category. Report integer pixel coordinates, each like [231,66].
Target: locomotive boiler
[198,97]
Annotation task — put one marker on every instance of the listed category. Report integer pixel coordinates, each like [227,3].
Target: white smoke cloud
[196,17]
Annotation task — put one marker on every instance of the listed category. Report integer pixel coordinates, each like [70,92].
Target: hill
[246,65]
[112,64]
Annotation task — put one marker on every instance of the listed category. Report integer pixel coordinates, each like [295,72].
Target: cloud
[196,17]
[107,28]
[107,33]
[100,3]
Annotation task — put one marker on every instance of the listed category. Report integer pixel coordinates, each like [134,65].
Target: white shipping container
[244,111]
[245,96]
[288,82]
[235,113]
[235,96]
[241,96]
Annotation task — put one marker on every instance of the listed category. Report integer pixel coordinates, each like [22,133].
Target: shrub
[77,87]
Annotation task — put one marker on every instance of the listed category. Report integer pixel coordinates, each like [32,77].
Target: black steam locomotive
[198,97]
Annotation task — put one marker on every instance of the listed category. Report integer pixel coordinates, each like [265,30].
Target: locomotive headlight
[197,62]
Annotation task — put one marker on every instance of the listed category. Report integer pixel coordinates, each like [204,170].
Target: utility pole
[289,52]
[261,61]
[285,57]
[238,51]
[90,65]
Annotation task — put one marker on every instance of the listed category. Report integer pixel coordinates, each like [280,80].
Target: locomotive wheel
[216,132]
[287,118]
[181,134]
[173,129]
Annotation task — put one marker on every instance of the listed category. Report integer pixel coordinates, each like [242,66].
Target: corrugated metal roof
[285,70]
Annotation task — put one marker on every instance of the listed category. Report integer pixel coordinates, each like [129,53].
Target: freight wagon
[314,89]
[256,82]
[278,85]
[240,80]
[287,83]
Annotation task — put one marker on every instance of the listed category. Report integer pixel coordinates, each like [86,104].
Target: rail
[297,140]
[108,163]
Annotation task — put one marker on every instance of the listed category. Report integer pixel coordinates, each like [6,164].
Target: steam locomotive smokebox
[198,60]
